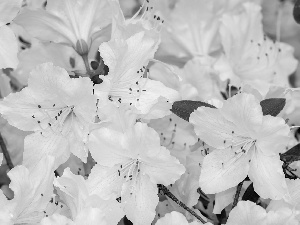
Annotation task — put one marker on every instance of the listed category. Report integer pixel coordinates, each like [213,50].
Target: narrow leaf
[272,106]
[291,155]
[184,108]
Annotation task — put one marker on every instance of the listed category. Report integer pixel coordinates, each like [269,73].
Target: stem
[166,192]
[5,153]
[237,194]
[86,63]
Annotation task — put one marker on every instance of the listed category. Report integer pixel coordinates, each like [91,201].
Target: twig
[5,153]
[237,194]
[166,192]
[87,64]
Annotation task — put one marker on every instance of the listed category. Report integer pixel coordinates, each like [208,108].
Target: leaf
[272,106]
[250,194]
[291,155]
[184,108]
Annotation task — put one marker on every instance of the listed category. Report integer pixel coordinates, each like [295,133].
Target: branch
[5,153]
[237,194]
[166,192]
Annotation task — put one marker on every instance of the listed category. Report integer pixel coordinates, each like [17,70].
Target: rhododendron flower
[246,142]
[84,207]
[131,168]
[250,56]
[57,108]
[8,41]
[127,61]
[32,192]
[71,22]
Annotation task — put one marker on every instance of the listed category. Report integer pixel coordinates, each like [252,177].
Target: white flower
[72,22]
[130,165]
[249,55]
[57,108]
[246,142]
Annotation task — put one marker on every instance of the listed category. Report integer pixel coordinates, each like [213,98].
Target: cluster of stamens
[53,118]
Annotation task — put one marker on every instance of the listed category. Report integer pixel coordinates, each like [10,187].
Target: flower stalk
[6,153]
[237,194]
[166,192]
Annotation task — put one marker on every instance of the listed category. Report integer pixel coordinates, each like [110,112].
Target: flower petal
[39,146]
[107,147]
[62,21]
[139,205]
[273,136]
[8,48]
[212,128]
[245,112]
[267,176]
[223,169]
[9,10]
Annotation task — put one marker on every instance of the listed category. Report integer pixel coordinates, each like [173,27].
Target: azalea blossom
[57,108]
[249,55]
[84,208]
[131,168]
[72,22]
[127,55]
[246,142]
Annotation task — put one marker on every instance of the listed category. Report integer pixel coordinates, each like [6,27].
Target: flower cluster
[147,112]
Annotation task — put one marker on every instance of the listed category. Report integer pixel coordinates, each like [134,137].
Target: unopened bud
[81,47]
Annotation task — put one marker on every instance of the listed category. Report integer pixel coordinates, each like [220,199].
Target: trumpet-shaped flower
[127,61]
[84,207]
[246,142]
[131,168]
[71,22]
[57,108]
[127,55]
[249,55]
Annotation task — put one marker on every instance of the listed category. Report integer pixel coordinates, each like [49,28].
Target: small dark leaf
[184,108]
[291,155]
[272,106]
[250,194]
[296,12]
